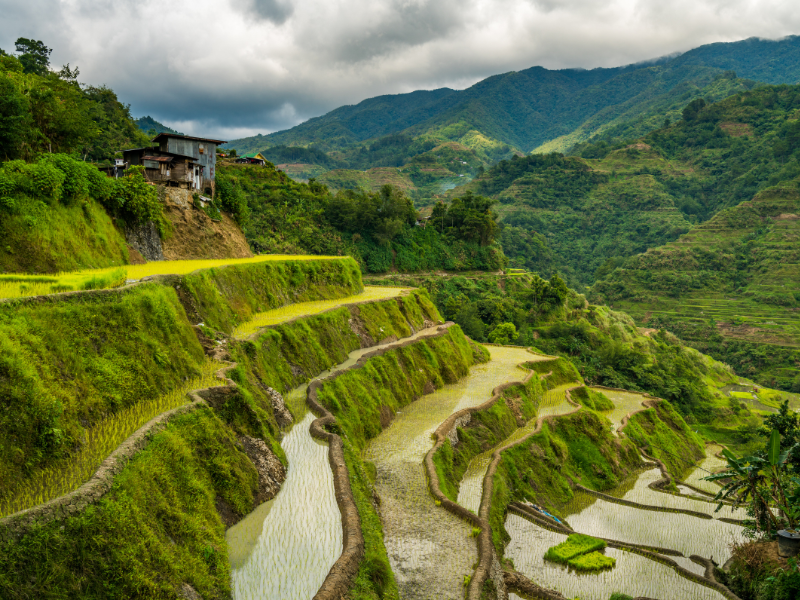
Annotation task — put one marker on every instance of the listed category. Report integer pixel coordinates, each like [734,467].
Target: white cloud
[263,65]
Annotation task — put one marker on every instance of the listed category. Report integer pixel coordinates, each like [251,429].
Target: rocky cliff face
[145,240]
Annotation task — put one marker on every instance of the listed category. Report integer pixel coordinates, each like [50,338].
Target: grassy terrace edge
[202,563]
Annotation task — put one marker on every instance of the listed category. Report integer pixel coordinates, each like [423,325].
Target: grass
[156,530]
[99,442]
[593,561]
[574,546]
[20,285]
[302,309]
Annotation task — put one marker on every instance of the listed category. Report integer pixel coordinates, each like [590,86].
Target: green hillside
[148,125]
[731,287]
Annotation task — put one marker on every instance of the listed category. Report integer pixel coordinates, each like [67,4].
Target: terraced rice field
[710,464]
[99,442]
[24,284]
[633,574]
[470,490]
[430,550]
[642,494]
[285,547]
[305,309]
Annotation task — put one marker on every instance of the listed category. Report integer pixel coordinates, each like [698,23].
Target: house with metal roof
[252,158]
[178,160]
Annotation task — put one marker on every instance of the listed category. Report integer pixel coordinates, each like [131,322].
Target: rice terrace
[537,337]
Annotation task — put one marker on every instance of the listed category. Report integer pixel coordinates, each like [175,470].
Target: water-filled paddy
[624,404]
[709,465]
[634,574]
[286,547]
[431,550]
[677,531]
[304,309]
[642,494]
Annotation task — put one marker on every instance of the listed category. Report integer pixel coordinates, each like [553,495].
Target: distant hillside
[148,124]
[527,110]
[730,287]
[584,215]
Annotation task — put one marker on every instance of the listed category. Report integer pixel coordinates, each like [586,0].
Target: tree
[503,334]
[34,56]
[14,119]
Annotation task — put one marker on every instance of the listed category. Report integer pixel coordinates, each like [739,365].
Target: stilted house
[178,160]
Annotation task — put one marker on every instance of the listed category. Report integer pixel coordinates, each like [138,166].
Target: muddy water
[642,494]
[633,574]
[470,491]
[301,532]
[431,550]
[285,548]
[689,535]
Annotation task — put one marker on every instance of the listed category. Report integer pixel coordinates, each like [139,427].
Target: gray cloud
[276,11]
[248,66]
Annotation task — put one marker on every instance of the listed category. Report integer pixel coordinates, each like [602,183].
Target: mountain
[148,124]
[526,110]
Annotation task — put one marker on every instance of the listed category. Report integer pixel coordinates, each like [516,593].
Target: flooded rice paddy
[304,309]
[643,494]
[624,404]
[431,550]
[711,464]
[633,574]
[285,548]
[709,538]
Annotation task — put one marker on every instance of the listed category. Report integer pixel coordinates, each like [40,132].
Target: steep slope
[583,215]
[729,287]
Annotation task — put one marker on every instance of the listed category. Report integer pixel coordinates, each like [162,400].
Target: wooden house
[252,158]
[202,150]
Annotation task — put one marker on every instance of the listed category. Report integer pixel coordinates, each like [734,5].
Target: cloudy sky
[232,68]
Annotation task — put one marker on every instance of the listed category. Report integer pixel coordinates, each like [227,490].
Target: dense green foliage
[665,435]
[605,346]
[591,399]
[575,545]
[576,447]
[224,297]
[48,111]
[395,379]
[53,386]
[149,126]
[156,530]
[379,229]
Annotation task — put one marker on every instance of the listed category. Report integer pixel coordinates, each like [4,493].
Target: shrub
[134,199]
[594,561]
[574,546]
[232,199]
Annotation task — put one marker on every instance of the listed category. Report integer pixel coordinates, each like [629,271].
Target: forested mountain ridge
[525,110]
[583,215]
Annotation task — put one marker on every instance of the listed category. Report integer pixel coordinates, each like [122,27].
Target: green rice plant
[620,596]
[98,443]
[574,546]
[594,561]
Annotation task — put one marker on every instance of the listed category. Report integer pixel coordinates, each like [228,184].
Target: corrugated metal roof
[159,158]
[187,137]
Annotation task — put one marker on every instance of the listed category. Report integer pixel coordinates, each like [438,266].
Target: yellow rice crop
[99,442]
[21,285]
[304,309]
